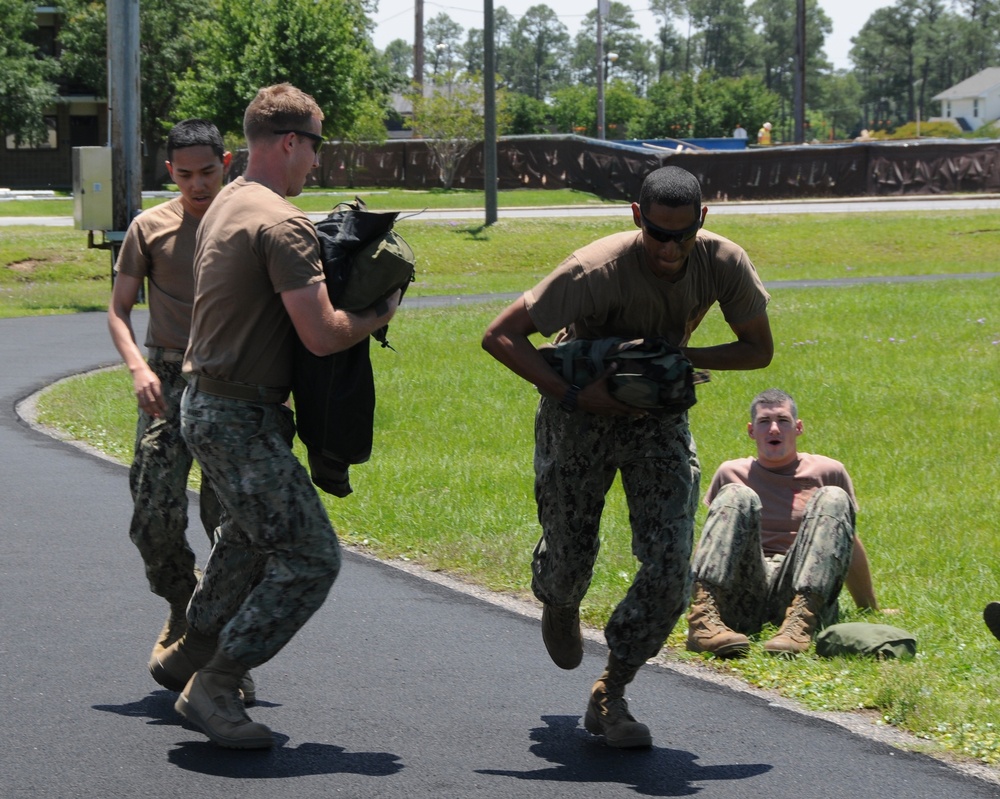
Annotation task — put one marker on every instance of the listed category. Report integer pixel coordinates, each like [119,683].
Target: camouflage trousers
[158,482]
[276,555]
[752,589]
[576,458]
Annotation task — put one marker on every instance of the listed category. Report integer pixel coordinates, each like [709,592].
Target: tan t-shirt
[784,493]
[607,289]
[159,245]
[252,245]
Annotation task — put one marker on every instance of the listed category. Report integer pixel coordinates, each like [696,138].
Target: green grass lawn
[899,381]
[468,258]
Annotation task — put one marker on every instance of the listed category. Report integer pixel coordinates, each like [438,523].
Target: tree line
[710,65]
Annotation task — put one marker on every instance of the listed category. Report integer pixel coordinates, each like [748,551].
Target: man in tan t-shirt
[159,248]
[779,542]
[259,282]
[658,280]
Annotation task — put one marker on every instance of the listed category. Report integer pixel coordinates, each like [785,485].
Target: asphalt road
[398,687]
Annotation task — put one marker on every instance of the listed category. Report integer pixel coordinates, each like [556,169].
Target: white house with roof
[974,102]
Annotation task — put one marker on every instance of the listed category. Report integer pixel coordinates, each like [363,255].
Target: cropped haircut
[194,133]
[773,396]
[670,186]
[278,107]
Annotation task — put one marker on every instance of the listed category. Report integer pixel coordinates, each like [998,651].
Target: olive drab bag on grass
[652,373]
[881,641]
[365,261]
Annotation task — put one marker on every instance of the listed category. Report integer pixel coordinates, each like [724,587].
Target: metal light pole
[603,7]
[125,113]
[489,115]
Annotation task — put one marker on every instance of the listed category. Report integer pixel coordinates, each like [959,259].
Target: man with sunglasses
[259,282]
[659,280]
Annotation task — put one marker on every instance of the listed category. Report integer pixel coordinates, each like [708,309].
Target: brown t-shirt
[252,245]
[784,493]
[159,245]
[607,289]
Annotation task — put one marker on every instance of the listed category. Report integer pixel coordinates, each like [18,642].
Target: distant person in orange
[764,135]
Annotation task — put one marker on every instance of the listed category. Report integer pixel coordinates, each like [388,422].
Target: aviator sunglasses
[317,140]
[664,235]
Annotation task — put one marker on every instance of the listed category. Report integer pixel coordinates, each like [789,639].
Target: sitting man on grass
[778,544]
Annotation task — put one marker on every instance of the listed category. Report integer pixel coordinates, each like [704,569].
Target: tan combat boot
[562,637]
[607,713]
[174,627]
[173,667]
[211,702]
[707,633]
[801,621]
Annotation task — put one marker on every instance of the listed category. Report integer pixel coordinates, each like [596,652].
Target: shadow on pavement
[583,758]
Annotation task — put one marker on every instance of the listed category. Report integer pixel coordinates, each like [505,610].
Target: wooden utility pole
[418,42]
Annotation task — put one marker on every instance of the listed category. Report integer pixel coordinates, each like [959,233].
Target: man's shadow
[204,757]
[581,757]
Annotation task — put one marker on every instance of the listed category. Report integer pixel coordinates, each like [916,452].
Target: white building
[974,102]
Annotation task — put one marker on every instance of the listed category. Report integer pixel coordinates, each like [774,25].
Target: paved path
[948,202]
[398,687]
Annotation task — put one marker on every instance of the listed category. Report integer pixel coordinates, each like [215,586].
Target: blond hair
[278,107]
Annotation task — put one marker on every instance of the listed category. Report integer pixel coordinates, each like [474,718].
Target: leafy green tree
[26,86]
[728,43]
[398,55]
[574,110]
[367,130]
[526,115]
[442,44]
[619,37]
[166,50]
[706,107]
[450,118]
[542,43]
[841,105]
[321,46]
[776,20]
[980,43]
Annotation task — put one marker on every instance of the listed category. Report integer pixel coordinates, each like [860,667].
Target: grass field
[899,381]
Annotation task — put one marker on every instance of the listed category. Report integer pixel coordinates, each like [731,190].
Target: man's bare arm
[145,384]
[324,329]
[753,348]
[506,339]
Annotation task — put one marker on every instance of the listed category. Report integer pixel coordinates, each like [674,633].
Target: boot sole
[593,726]
[727,651]
[186,710]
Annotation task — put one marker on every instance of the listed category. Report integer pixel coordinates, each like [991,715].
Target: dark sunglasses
[664,235]
[317,140]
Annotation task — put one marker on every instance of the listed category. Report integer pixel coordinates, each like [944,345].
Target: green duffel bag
[652,373]
[880,641]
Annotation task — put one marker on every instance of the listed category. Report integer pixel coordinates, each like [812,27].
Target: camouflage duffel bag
[652,373]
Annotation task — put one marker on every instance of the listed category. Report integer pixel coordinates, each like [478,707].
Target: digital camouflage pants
[752,589]
[576,458]
[276,555]
[158,481]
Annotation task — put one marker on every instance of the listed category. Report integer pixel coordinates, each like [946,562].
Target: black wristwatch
[568,402]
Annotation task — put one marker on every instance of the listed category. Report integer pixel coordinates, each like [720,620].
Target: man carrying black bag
[365,263]
[657,282]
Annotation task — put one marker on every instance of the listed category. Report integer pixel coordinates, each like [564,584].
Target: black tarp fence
[615,171]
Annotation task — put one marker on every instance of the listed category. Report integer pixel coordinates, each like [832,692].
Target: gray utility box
[92,192]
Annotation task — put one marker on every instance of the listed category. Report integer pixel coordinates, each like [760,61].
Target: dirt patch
[27,267]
